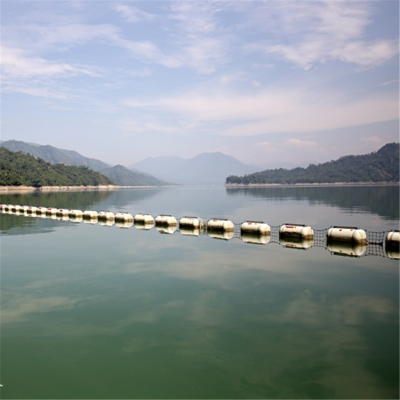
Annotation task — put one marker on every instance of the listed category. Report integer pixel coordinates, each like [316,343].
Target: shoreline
[244,185]
[13,189]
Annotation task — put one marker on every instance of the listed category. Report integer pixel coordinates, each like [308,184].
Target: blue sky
[264,81]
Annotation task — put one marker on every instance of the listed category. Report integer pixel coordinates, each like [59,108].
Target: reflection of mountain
[81,200]
[381,200]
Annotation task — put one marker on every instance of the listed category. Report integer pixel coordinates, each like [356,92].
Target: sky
[267,82]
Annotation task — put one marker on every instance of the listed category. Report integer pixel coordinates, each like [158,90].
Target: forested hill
[380,166]
[18,169]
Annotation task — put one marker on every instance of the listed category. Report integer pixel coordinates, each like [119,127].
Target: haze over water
[90,311]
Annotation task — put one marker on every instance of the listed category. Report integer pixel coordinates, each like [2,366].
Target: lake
[91,311]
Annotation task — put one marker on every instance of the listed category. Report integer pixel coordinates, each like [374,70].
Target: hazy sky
[263,81]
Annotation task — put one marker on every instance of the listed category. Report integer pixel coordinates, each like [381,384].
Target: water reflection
[381,200]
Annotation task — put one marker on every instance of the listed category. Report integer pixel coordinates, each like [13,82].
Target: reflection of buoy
[106,215]
[123,224]
[167,229]
[223,225]
[165,220]
[106,222]
[255,227]
[352,249]
[347,234]
[189,231]
[123,217]
[76,218]
[296,242]
[143,226]
[223,235]
[255,238]
[296,230]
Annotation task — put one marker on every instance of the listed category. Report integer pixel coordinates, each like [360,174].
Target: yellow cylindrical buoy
[106,215]
[165,220]
[349,249]
[296,230]
[347,234]
[222,225]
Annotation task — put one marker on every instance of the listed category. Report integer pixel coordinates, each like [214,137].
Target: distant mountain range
[205,168]
[380,166]
[118,174]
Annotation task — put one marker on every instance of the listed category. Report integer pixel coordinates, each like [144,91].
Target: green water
[96,312]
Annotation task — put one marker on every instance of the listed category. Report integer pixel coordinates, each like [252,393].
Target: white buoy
[165,220]
[62,213]
[392,245]
[124,217]
[347,234]
[191,222]
[296,230]
[255,227]
[76,213]
[223,225]
[90,215]
[143,219]
[51,211]
[106,215]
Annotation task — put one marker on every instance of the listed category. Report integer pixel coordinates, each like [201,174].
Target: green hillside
[17,168]
[54,155]
[380,166]
[118,174]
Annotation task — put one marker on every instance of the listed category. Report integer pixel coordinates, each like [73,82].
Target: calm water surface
[89,311]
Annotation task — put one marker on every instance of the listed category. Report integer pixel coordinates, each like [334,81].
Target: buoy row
[341,240]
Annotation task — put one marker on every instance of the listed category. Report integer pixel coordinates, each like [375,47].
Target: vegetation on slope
[18,169]
[380,166]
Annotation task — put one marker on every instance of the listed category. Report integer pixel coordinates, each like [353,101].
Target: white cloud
[274,111]
[133,14]
[306,33]
[372,140]
[15,64]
